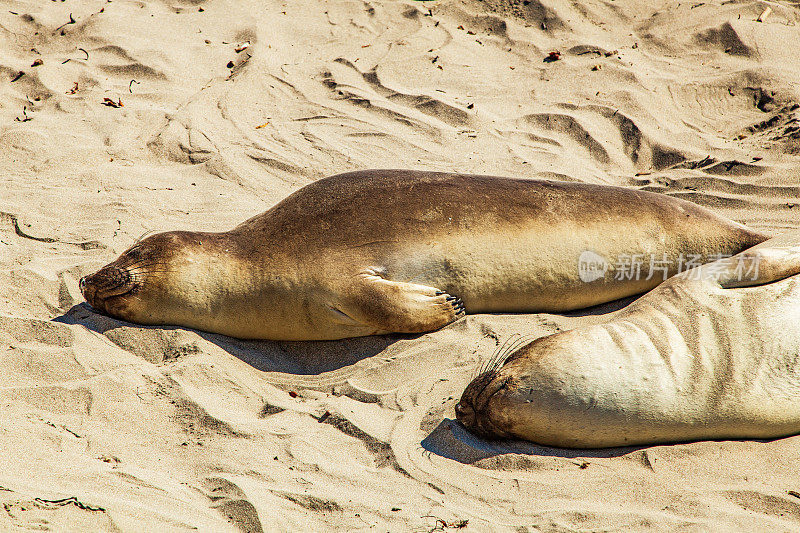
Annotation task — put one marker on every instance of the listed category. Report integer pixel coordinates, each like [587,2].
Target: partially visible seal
[384,251]
[706,355]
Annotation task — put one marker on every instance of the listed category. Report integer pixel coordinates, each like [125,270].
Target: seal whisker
[105,287]
[512,341]
[482,381]
[142,236]
[486,363]
[522,341]
[148,267]
[509,348]
[139,266]
[516,346]
[483,367]
[150,270]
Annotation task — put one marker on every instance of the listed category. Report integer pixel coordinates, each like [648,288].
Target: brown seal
[712,353]
[383,251]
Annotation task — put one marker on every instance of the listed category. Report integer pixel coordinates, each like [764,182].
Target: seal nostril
[464,412]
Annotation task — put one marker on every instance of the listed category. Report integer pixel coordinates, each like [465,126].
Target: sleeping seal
[712,353]
[382,251]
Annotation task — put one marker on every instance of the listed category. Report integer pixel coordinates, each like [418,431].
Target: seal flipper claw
[760,265]
[458,305]
[400,307]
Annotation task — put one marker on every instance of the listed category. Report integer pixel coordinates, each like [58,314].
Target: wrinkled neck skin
[198,279]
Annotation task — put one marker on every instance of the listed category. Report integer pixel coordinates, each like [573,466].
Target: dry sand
[167,429]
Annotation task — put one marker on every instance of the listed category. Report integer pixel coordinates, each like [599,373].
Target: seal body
[402,251]
[702,356]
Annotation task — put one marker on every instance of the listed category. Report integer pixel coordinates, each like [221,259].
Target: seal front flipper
[397,306]
[771,261]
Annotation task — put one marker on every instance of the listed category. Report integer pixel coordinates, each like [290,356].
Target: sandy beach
[126,117]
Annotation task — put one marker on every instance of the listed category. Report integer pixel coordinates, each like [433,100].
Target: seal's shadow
[159,344]
[605,308]
[450,439]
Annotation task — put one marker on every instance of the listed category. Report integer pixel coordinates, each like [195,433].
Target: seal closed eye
[383,251]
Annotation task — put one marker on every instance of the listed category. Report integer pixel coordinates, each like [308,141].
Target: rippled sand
[149,116]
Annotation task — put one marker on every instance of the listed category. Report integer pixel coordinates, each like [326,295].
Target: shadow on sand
[452,440]
[158,344]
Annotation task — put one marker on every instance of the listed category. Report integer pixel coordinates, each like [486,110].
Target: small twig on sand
[71,21]
[24,114]
[441,524]
[72,500]
[111,103]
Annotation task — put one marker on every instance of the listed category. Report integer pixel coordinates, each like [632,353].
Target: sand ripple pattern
[128,117]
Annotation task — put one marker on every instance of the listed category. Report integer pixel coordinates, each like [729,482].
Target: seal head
[488,404]
[105,286]
[132,286]
[517,397]
[113,288]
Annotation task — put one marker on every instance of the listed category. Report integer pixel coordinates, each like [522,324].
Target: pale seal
[384,251]
[706,355]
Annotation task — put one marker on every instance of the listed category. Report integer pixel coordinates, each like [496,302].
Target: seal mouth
[478,423]
[107,283]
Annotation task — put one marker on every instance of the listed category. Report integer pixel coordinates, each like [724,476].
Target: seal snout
[476,409]
[465,414]
[107,282]
[89,290]
[477,422]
